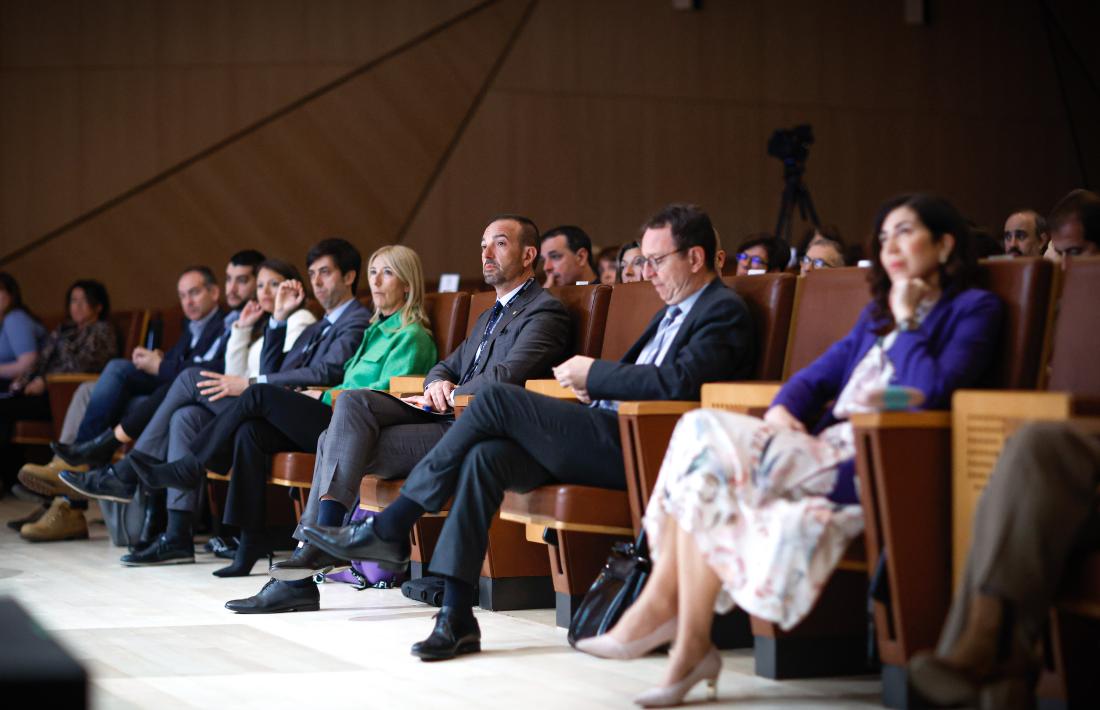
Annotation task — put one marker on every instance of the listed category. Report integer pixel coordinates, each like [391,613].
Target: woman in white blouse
[242,354]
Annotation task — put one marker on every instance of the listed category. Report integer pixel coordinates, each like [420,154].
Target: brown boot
[43,479]
[60,522]
[989,666]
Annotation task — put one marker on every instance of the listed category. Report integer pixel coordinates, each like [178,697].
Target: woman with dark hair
[607,265]
[84,342]
[631,263]
[246,342]
[757,512]
[762,252]
[21,335]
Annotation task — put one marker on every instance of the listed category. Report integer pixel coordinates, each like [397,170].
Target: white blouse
[243,358]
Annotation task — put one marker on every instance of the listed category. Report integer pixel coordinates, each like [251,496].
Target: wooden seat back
[1025,288]
[131,327]
[630,310]
[1075,337]
[770,298]
[587,306]
[448,313]
[826,306]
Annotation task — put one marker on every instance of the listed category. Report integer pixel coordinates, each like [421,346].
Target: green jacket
[387,351]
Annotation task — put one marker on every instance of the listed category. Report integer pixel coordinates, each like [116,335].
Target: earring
[943,258]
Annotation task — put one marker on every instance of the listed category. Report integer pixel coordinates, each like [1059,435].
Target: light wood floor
[160,638]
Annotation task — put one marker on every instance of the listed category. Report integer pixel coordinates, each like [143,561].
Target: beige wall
[598,113]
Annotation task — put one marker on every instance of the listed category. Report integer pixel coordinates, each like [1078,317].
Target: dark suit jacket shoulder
[714,343]
[324,364]
[533,335]
[182,355]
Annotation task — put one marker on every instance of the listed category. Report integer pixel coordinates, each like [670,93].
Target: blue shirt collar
[686,305]
[334,315]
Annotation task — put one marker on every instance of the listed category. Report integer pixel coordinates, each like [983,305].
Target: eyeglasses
[637,262]
[757,262]
[816,263]
[654,262]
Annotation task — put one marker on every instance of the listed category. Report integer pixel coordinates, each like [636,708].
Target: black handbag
[619,583]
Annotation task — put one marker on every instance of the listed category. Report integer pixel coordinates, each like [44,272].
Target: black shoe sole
[461,650]
[176,561]
[314,606]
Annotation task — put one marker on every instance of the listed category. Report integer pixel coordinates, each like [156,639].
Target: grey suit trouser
[1039,508]
[369,433]
[509,439]
[174,427]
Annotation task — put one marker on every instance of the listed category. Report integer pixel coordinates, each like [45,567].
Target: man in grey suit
[522,336]
[197,396]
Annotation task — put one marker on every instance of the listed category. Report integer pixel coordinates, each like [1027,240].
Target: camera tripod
[795,193]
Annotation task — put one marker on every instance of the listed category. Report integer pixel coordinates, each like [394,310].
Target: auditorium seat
[587,520]
[904,463]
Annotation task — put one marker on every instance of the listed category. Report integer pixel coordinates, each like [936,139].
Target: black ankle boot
[156,517]
[95,452]
[252,547]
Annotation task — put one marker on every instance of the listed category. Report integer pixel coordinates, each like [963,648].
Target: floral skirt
[756,501]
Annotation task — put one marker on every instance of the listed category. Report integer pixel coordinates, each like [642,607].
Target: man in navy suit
[513,439]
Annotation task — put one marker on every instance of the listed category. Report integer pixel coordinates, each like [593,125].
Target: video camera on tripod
[792,146]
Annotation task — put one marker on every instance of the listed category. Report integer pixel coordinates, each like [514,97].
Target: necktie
[494,316]
[314,340]
[650,355]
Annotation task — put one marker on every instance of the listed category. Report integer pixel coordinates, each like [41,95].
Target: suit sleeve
[542,342]
[328,368]
[720,347]
[273,353]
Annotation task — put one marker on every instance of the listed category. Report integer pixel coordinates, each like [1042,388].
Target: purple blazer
[954,347]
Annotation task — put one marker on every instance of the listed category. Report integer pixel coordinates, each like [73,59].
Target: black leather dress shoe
[359,542]
[93,452]
[163,551]
[102,483]
[307,561]
[455,633]
[276,596]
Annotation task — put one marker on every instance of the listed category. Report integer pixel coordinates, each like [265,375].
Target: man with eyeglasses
[513,439]
[822,254]
[762,252]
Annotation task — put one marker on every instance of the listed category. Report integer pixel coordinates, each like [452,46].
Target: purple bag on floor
[365,574]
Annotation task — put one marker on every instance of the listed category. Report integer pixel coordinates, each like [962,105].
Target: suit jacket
[324,363]
[533,335]
[182,355]
[953,347]
[715,342]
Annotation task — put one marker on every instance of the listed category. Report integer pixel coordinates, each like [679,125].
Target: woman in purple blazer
[757,512]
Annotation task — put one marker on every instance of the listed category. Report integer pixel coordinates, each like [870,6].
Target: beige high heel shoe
[667,696]
[604,646]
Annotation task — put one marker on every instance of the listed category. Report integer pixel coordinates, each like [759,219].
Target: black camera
[791,145]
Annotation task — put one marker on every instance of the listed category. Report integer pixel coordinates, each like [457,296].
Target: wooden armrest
[740,396]
[71,378]
[407,383]
[933,419]
[656,407]
[551,388]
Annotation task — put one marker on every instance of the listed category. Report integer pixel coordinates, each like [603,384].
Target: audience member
[985,244]
[566,253]
[631,263]
[84,342]
[524,333]
[822,254]
[246,338]
[1026,234]
[608,264]
[762,252]
[1075,225]
[21,335]
[1037,510]
[197,396]
[511,438]
[757,512]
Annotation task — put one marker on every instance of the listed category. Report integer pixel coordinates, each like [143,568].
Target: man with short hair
[198,395]
[566,253]
[513,439]
[519,338]
[1075,225]
[1026,234]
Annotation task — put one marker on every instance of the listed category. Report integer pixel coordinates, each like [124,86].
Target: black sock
[78,504]
[458,595]
[395,522]
[331,513]
[124,469]
[179,526]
